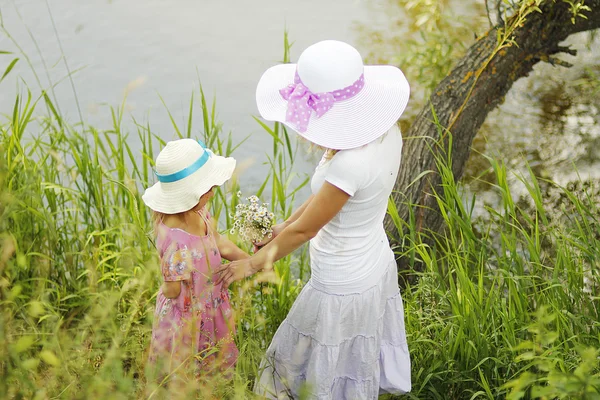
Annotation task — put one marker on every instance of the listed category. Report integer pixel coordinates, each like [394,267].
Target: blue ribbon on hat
[184,173]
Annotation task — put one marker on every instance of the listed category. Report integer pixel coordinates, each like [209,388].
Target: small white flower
[253,221]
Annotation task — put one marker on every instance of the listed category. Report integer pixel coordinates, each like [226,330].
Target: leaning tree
[458,106]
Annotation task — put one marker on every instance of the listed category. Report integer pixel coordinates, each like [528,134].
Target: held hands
[234,271]
[240,269]
[276,231]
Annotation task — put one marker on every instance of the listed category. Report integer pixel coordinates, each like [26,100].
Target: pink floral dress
[198,326]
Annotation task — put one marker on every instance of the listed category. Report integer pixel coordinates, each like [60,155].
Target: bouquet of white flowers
[252,221]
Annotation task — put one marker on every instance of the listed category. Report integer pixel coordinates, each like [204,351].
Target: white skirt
[334,346]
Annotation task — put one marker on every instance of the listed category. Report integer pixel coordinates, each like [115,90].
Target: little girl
[193,322]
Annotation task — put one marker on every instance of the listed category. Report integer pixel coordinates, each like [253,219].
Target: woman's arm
[299,211]
[277,229]
[318,212]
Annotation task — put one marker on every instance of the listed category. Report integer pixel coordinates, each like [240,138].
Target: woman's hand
[277,229]
[234,271]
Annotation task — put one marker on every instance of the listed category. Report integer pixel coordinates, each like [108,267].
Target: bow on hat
[302,102]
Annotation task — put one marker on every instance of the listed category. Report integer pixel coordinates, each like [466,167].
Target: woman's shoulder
[350,155]
[389,141]
[360,161]
[350,160]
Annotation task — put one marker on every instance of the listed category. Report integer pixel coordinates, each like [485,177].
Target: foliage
[426,38]
[506,306]
[472,307]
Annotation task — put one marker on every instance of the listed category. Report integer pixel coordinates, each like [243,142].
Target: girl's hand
[277,229]
[234,271]
[171,290]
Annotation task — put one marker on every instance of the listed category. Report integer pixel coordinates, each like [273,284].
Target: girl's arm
[227,248]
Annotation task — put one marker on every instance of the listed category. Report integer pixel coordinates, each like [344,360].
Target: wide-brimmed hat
[330,98]
[185,170]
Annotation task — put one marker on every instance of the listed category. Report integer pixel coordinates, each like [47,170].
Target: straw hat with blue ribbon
[330,98]
[185,170]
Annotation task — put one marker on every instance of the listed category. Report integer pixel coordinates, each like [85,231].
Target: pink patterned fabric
[302,102]
[198,326]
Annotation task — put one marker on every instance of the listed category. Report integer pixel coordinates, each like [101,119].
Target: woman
[344,336]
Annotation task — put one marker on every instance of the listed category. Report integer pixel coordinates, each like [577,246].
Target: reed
[505,306]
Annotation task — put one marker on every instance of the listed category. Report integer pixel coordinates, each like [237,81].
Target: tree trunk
[463,100]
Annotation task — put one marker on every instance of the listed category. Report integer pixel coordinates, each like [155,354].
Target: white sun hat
[185,170]
[331,98]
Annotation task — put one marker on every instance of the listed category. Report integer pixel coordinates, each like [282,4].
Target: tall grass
[79,269]
[506,306]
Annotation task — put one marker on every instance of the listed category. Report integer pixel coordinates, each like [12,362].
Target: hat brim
[183,195]
[350,123]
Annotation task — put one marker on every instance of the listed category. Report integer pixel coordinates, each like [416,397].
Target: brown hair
[329,153]
[157,218]
[312,147]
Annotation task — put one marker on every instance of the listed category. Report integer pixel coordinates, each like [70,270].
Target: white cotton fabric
[339,347]
[350,252]
[344,337]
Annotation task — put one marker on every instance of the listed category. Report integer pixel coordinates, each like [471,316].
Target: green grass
[79,273]
[505,306]
[78,266]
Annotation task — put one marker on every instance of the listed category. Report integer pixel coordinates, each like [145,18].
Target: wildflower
[252,221]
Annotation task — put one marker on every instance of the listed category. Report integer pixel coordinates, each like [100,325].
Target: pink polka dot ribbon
[302,102]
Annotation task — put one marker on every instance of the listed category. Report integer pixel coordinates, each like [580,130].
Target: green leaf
[24,343]
[36,308]
[31,363]
[269,130]
[15,291]
[262,187]
[528,355]
[49,358]
[9,68]
[52,108]
[191,113]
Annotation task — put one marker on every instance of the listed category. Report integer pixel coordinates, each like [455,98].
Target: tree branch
[462,101]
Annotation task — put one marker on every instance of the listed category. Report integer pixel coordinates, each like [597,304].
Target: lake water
[151,47]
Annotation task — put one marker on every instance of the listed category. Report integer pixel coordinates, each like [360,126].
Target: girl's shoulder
[174,238]
[196,229]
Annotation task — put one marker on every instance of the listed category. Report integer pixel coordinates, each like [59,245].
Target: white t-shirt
[352,251]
